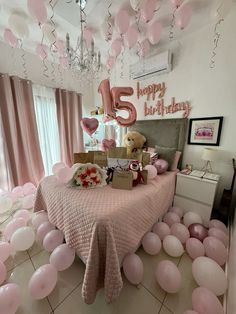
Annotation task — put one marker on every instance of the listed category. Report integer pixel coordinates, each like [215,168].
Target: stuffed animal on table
[134,142]
[137,174]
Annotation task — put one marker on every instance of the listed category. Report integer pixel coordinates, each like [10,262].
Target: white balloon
[173,246]
[18,26]
[5,204]
[135,4]
[49,32]
[207,273]
[192,218]
[22,239]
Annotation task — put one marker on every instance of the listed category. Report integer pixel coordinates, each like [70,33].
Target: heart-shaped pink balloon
[106,144]
[89,125]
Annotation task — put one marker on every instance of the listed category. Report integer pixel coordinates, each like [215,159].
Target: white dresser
[195,194]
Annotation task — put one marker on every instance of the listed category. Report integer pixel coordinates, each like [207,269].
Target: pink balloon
[219,234]
[3,272]
[151,243]
[161,229]
[64,174]
[18,191]
[198,231]
[161,165]
[5,251]
[122,21]
[57,166]
[10,298]
[215,223]
[177,3]
[116,47]
[131,37]
[171,218]
[43,281]
[89,125]
[195,248]
[88,37]
[183,15]
[216,250]
[190,312]
[10,38]
[147,10]
[177,210]
[37,10]
[60,45]
[152,171]
[168,276]
[62,257]
[105,90]
[41,51]
[133,268]
[110,62]
[106,144]
[205,302]
[43,229]
[52,240]
[12,226]
[29,188]
[154,32]
[64,63]
[180,231]
[39,218]
[28,201]
[144,48]
[23,213]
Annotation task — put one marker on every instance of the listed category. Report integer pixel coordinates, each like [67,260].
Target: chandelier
[83,58]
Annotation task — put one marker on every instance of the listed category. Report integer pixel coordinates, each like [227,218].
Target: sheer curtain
[5,181]
[46,117]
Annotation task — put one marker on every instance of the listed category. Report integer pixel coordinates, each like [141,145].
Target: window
[46,117]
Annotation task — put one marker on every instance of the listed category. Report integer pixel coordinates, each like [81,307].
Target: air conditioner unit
[159,64]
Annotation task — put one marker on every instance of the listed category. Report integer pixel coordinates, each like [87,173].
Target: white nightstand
[195,194]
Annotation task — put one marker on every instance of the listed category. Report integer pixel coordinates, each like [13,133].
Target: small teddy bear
[134,142]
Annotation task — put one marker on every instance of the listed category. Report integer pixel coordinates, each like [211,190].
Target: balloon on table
[205,302]
[154,32]
[219,234]
[173,246]
[215,223]
[62,257]
[12,226]
[207,273]
[43,229]
[177,210]
[171,218]
[39,218]
[161,165]
[168,276]
[22,239]
[195,248]
[152,171]
[43,281]
[5,204]
[161,229]
[198,231]
[10,298]
[64,174]
[22,213]
[18,191]
[5,251]
[133,268]
[151,243]
[180,231]
[216,250]
[57,166]
[52,240]
[191,218]
[89,125]
[28,201]
[3,272]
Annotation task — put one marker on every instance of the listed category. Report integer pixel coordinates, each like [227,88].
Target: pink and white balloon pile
[206,247]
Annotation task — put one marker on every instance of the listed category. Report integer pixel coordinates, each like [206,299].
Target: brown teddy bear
[134,142]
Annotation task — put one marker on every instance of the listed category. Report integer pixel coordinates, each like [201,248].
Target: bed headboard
[167,132]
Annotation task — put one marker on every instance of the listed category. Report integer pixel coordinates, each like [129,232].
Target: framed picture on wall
[205,131]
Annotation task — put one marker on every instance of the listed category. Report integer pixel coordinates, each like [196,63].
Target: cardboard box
[117,152]
[82,158]
[99,158]
[146,157]
[122,180]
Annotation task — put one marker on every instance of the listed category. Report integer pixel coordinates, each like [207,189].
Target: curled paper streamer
[53,45]
[23,60]
[216,43]
[172,25]
[109,35]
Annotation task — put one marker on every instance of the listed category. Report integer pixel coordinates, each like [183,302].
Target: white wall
[11,62]
[212,92]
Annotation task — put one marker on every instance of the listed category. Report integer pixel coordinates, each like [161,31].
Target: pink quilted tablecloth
[104,224]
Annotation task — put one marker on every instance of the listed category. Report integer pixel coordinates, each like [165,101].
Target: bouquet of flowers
[88,176]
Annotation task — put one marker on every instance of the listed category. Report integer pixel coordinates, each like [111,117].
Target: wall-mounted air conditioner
[156,65]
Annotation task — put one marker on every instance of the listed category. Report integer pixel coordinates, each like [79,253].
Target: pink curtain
[69,114]
[20,134]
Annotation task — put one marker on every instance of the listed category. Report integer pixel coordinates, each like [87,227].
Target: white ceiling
[66,17]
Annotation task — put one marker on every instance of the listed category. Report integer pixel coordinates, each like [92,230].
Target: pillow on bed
[174,165]
[166,153]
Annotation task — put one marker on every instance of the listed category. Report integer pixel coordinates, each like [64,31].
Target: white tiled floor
[66,298]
